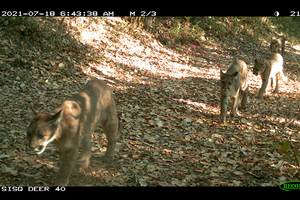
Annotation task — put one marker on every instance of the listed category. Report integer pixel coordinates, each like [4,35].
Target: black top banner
[152,12]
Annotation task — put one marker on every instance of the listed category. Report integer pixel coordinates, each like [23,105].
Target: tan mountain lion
[72,123]
[278,45]
[269,69]
[233,82]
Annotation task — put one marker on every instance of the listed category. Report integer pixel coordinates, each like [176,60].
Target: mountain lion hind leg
[111,131]
[110,126]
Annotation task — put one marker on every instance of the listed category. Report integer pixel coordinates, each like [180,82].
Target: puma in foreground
[269,69]
[278,45]
[72,123]
[232,83]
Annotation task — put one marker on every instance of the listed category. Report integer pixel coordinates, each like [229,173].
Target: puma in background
[267,69]
[72,123]
[278,45]
[232,83]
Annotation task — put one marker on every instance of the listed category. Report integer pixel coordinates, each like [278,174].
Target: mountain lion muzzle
[232,83]
[72,123]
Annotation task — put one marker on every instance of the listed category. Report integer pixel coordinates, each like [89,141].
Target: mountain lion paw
[107,159]
[61,182]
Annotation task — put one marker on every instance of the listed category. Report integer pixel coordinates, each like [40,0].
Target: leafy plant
[289,148]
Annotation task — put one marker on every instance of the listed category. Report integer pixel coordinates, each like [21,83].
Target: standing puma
[278,45]
[269,69]
[72,123]
[234,81]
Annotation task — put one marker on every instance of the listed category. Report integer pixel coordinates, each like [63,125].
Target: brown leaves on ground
[168,105]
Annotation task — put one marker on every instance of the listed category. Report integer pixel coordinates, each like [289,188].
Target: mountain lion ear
[256,61]
[56,119]
[31,111]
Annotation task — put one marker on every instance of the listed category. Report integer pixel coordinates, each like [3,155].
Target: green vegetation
[50,34]
[192,30]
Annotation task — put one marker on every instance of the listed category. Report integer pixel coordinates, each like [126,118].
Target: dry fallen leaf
[165,184]
[4,156]
[9,170]
[142,182]
[150,139]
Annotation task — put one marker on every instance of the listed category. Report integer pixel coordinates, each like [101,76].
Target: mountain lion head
[274,47]
[43,129]
[227,80]
[259,66]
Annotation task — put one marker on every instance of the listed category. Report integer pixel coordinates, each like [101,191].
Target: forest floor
[168,102]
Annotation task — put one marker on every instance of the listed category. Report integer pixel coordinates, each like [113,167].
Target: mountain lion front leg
[224,101]
[263,89]
[245,97]
[68,158]
[233,111]
[85,156]
[277,82]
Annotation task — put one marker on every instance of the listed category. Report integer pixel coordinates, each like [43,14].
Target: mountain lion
[232,83]
[278,45]
[72,123]
[269,69]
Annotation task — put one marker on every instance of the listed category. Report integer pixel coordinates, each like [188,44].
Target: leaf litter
[167,102]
